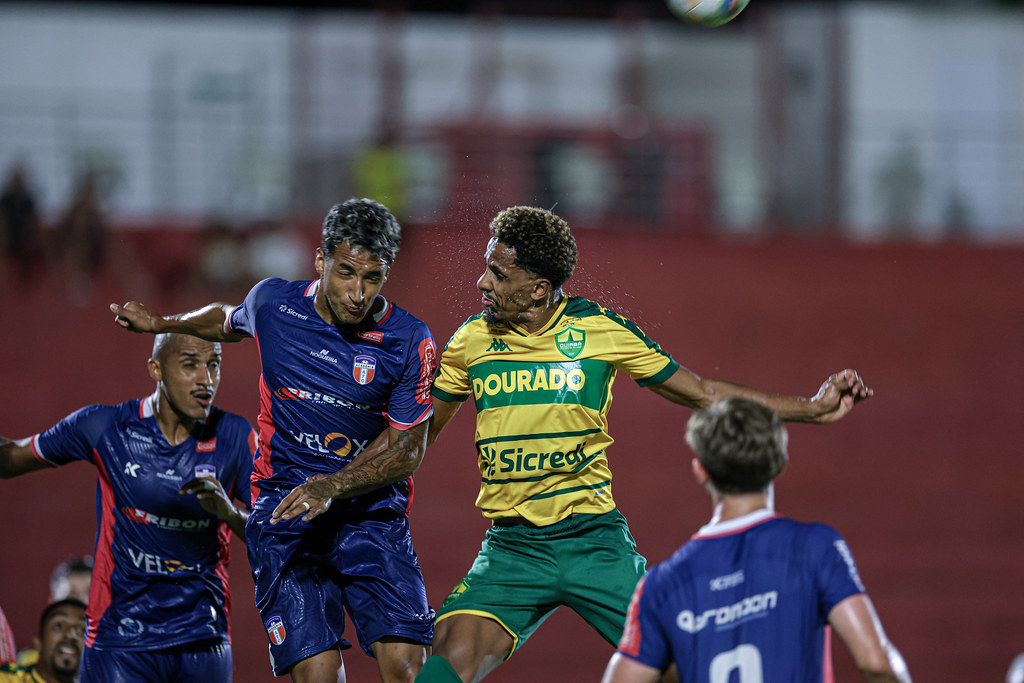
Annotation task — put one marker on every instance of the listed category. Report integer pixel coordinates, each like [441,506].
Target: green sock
[437,670]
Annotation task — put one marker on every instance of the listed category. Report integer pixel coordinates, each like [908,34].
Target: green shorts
[524,573]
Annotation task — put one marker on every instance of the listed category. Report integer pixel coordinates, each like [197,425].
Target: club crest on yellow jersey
[570,342]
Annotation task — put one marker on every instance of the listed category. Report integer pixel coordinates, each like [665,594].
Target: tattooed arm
[382,463]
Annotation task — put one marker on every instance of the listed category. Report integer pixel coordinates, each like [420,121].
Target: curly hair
[365,224]
[741,443]
[542,241]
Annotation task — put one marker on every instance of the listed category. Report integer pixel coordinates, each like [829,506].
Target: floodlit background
[814,186]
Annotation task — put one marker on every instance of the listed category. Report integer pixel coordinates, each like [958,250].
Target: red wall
[922,480]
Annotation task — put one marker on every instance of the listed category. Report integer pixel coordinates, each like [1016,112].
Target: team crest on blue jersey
[275,629]
[363,367]
[206,470]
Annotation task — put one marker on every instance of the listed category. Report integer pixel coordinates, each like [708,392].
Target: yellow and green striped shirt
[542,403]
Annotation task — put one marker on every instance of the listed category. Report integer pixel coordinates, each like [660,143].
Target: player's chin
[200,411]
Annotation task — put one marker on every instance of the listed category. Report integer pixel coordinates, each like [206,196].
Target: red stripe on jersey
[387,313]
[103,564]
[34,445]
[223,559]
[408,506]
[262,468]
[827,673]
[311,288]
[401,426]
[631,636]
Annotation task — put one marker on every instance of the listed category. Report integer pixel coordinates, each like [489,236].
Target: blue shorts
[307,574]
[201,662]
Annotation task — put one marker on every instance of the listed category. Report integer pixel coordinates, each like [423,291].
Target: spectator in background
[222,258]
[275,249]
[20,226]
[82,239]
[59,642]
[71,578]
[8,649]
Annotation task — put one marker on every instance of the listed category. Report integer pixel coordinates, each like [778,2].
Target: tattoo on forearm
[394,463]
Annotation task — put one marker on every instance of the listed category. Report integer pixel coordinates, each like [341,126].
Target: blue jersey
[327,391]
[160,575]
[751,596]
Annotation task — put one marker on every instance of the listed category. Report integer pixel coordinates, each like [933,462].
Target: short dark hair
[53,606]
[543,242]
[741,443]
[362,223]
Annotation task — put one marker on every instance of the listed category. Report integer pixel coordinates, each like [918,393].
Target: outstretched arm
[214,498]
[16,458]
[376,466]
[835,398]
[209,322]
[857,623]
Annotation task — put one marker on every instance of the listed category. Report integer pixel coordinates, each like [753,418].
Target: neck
[731,506]
[43,672]
[175,426]
[535,318]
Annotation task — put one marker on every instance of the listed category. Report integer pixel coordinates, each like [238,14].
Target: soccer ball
[707,12]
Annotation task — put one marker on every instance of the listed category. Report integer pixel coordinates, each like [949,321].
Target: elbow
[412,462]
[883,664]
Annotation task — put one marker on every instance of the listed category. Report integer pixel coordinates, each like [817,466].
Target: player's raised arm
[857,623]
[16,458]
[835,398]
[209,322]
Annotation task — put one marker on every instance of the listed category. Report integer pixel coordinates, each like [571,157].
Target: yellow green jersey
[542,403]
[12,673]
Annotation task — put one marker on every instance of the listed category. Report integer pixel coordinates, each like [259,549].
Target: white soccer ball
[707,12]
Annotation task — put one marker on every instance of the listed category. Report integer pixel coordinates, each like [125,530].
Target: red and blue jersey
[747,597]
[160,575]
[327,391]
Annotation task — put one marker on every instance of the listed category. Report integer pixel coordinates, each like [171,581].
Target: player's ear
[318,263]
[699,473]
[541,289]
[155,371]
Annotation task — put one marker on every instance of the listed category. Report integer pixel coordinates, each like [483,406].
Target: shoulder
[399,318]
[100,415]
[472,325]
[225,424]
[275,288]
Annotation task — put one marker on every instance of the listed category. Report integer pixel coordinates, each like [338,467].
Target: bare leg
[398,660]
[473,645]
[323,667]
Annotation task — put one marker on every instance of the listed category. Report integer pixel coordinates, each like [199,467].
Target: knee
[400,669]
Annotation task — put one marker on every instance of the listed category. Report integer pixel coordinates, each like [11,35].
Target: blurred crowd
[78,248]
